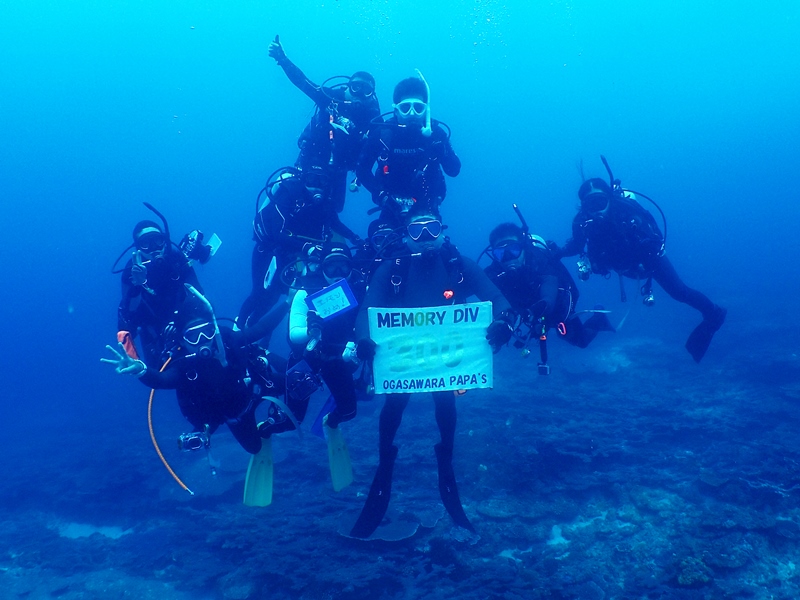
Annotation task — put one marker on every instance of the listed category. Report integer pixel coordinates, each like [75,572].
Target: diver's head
[149,240]
[512,248]
[360,88]
[199,338]
[595,195]
[411,102]
[311,259]
[424,233]
[316,181]
[337,262]
[507,245]
[382,236]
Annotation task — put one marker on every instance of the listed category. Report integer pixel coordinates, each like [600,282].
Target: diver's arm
[303,83]
[263,328]
[337,226]
[366,162]
[548,292]
[167,379]
[298,319]
[127,365]
[451,164]
[574,245]
[483,288]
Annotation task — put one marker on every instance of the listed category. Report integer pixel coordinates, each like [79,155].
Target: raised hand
[125,365]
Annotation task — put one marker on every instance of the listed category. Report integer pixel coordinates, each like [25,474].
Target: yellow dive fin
[338,458]
[258,483]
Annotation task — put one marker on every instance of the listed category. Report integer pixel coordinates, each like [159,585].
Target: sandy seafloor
[630,472]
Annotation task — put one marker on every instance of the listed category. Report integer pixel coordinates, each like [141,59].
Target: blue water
[104,105]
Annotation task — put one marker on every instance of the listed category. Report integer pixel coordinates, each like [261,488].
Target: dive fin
[258,483]
[599,322]
[700,339]
[378,499]
[338,458]
[448,488]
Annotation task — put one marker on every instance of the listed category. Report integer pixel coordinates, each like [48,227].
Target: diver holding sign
[435,274]
[322,324]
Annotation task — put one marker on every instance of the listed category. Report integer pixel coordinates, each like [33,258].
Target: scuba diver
[333,139]
[153,282]
[322,335]
[219,375]
[620,235]
[540,289]
[404,157]
[432,273]
[327,343]
[291,215]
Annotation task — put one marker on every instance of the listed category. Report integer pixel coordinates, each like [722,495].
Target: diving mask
[431,227]
[411,107]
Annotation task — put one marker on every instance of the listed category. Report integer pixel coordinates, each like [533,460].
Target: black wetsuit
[543,289]
[399,162]
[146,310]
[210,394]
[421,282]
[281,229]
[334,137]
[327,358]
[626,239]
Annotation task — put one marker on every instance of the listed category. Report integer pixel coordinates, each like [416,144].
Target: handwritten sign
[332,300]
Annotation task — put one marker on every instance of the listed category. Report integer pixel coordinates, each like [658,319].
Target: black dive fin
[700,339]
[599,322]
[378,499]
[448,488]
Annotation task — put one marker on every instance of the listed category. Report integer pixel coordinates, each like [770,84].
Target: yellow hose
[153,435]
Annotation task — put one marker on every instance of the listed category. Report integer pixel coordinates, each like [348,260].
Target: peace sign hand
[124,364]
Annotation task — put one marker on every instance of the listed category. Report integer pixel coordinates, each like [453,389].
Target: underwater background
[630,472]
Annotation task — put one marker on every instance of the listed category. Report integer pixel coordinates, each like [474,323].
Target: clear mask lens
[152,242]
[417,229]
[200,333]
[507,252]
[361,88]
[409,107]
[336,268]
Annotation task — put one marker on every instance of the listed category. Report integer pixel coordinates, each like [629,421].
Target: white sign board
[432,349]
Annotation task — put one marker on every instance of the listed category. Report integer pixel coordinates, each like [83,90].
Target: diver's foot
[270,427]
[700,339]
[334,417]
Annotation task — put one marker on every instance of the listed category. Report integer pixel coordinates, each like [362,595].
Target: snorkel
[524,223]
[426,130]
[163,221]
[207,305]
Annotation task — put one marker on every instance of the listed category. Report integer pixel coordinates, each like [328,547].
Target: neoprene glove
[314,324]
[498,333]
[365,350]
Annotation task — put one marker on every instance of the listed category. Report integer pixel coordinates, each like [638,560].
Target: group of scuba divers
[221,373]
